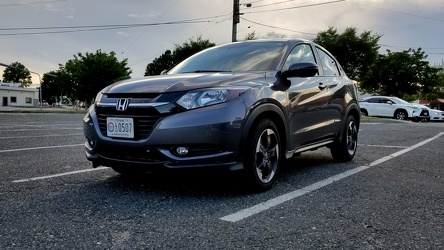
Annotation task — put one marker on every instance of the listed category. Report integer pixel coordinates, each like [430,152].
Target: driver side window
[300,53]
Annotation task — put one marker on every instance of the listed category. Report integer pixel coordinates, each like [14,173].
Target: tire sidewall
[250,152]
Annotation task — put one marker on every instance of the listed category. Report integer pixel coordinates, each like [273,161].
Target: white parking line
[36,148]
[36,136]
[62,174]
[245,213]
[381,146]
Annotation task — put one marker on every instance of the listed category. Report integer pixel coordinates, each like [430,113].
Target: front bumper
[421,114]
[212,136]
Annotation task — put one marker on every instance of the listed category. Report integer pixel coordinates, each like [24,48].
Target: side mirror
[305,69]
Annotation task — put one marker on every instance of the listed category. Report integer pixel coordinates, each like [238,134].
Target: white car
[435,114]
[392,107]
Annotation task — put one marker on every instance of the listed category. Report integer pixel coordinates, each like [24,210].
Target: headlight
[98,97]
[206,97]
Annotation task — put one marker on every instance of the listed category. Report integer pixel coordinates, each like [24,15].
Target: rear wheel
[364,112]
[345,149]
[263,155]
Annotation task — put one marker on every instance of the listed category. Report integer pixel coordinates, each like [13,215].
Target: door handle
[322,86]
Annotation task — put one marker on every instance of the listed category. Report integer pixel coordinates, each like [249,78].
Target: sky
[41,34]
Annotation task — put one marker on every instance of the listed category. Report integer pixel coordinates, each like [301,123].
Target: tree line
[405,74]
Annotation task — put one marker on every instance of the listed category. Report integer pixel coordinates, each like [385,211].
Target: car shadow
[295,173]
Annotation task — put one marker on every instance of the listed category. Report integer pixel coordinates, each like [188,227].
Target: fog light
[91,142]
[182,150]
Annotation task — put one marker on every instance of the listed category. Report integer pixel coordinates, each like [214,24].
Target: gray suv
[241,106]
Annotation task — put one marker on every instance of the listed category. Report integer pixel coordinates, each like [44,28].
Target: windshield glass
[252,56]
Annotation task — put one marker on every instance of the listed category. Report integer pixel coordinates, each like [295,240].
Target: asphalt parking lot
[391,196]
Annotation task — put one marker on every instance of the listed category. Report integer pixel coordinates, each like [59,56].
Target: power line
[295,7]
[19,4]
[71,29]
[157,19]
[275,27]
[259,6]
[395,11]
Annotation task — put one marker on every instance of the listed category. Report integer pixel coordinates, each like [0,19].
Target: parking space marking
[36,136]
[381,146]
[261,207]
[36,148]
[59,175]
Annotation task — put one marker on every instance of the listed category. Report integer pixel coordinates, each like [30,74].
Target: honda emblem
[122,104]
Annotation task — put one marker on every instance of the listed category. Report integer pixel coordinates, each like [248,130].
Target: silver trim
[122,104]
[153,104]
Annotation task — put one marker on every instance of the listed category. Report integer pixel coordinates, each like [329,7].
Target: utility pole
[235,19]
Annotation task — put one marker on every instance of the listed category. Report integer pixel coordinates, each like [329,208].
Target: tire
[345,149]
[263,155]
[401,115]
[364,112]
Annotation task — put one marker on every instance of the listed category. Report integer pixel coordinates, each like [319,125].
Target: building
[439,66]
[12,94]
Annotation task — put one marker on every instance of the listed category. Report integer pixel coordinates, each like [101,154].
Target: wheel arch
[401,110]
[355,111]
[364,110]
[265,111]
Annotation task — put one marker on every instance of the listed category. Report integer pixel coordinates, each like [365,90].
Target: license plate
[425,113]
[120,127]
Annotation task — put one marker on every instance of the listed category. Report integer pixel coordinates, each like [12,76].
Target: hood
[185,82]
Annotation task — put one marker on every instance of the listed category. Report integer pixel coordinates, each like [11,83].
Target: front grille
[424,112]
[142,125]
[133,156]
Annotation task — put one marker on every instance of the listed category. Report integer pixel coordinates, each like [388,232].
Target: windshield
[250,56]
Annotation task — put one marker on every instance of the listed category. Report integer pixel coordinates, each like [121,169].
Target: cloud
[143,16]
[122,34]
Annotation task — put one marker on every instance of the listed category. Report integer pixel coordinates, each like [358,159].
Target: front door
[5,101]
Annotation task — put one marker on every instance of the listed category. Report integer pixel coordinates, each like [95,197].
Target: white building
[11,94]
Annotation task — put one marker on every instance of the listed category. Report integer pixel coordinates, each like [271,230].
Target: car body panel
[308,111]
[385,106]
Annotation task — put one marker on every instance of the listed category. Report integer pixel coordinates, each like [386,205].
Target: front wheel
[263,155]
[345,149]
[401,115]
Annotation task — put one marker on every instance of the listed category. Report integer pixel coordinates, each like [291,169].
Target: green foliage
[164,62]
[250,36]
[167,60]
[356,53]
[401,73]
[17,73]
[82,77]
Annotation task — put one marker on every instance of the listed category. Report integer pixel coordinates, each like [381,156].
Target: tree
[17,73]
[250,36]
[86,75]
[55,85]
[167,60]
[164,62]
[356,53]
[401,73]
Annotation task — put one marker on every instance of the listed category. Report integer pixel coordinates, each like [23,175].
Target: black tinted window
[300,53]
[328,64]
[373,100]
